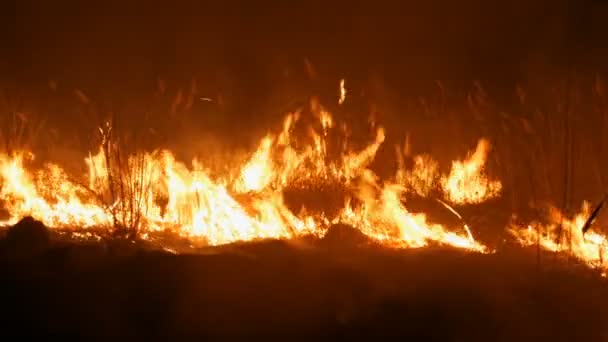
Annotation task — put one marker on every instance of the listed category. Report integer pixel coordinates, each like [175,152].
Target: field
[341,286]
[90,283]
[352,170]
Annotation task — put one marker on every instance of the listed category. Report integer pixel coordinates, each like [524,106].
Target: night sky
[253,54]
[103,43]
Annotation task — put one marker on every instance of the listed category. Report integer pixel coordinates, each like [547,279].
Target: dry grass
[128,178]
[526,130]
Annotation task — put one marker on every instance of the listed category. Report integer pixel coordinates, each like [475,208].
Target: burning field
[151,195]
[280,169]
[302,235]
[148,193]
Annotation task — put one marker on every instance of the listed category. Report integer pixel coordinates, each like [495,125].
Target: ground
[338,287]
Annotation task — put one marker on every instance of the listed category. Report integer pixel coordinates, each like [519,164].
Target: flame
[423,178]
[384,217]
[257,173]
[152,191]
[342,92]
[47,195]
[590,248]
[467,182]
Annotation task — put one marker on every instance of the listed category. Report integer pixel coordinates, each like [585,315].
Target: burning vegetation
[306,180]
[149,192]
[145,194]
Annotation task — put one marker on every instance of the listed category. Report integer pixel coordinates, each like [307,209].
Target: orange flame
[467,182]
[590,248]
[155,192]
[384,217]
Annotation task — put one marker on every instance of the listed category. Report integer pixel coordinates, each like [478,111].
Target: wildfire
[384,217]
[565,234]
[47,195]
[466,183]
[152,191]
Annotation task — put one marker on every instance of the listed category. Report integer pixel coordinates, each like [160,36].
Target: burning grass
[146,192]
[274,192]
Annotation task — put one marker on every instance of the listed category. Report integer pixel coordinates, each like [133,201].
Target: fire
[384,217]
[47,195]
[257,173]
[342,92]
[590,247]
[424,176]
[148,192]
[467,182]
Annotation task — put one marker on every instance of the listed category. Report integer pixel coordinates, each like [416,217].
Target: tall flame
[467,183]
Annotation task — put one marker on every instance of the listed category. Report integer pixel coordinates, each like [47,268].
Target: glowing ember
[342,92]
[147,192]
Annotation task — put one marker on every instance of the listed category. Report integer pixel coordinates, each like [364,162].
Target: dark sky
[252,53]
[164,36]
[249,44]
